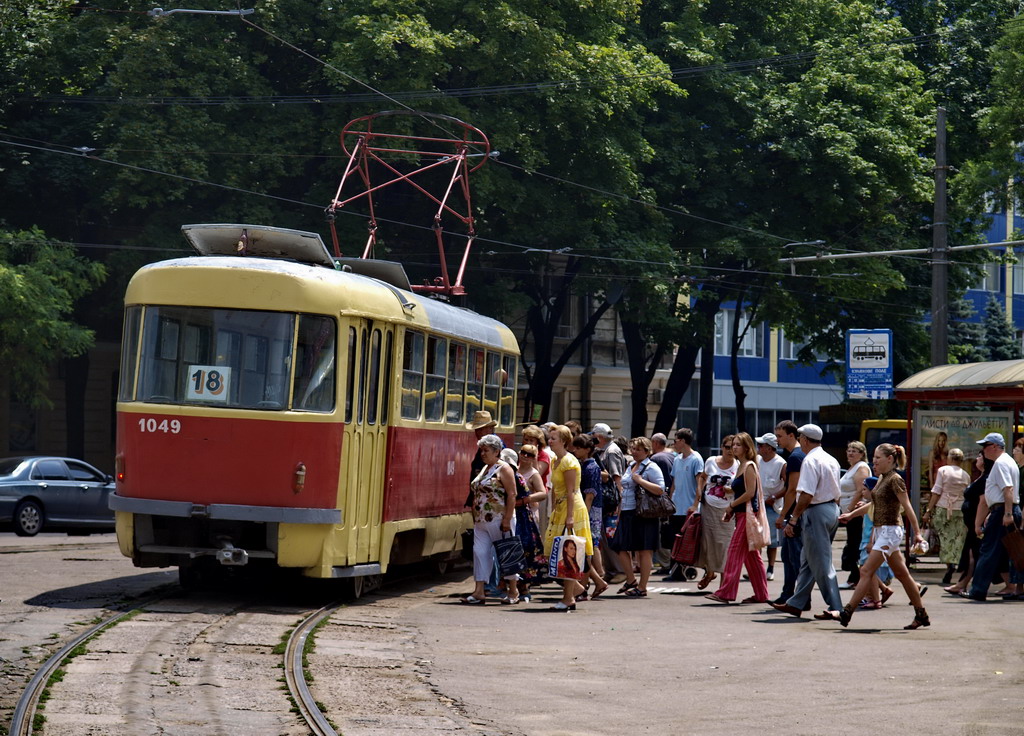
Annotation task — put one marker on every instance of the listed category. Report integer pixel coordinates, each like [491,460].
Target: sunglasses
[526,454]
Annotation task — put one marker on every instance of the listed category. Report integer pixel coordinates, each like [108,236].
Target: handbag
[467,545]
[759,534]
[1014,543]
[511,555]
[650,506]
[568,557]
[686,548]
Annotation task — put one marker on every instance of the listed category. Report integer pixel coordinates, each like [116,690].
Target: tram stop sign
[869,364]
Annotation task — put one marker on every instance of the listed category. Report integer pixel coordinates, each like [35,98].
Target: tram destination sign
[869,364]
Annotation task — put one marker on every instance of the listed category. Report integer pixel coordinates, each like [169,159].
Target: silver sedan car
[55,493]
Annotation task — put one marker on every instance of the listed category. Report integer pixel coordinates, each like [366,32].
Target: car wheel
[28,519]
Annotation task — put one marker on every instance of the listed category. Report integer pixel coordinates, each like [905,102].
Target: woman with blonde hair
[944,513]
[890,498]
[746,486]
[569,513]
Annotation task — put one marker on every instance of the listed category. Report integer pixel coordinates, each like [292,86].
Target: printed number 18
[212,382]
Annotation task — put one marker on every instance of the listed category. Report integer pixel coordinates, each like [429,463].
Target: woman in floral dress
[494,502]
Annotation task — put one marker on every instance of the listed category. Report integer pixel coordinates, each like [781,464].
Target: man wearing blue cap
[998,510]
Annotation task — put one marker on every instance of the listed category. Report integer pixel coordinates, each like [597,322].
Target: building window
[790,350]
[1018,275]
[752,343]
[988,277]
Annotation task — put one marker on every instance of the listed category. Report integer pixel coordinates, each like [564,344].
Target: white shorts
[887,539]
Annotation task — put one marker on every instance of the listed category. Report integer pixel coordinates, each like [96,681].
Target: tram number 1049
[149,424]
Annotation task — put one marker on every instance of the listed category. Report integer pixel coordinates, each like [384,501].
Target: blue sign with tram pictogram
[869,364]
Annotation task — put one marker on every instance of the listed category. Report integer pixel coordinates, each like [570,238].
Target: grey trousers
[818,523]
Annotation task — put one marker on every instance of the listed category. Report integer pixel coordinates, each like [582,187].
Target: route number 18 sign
[208,383]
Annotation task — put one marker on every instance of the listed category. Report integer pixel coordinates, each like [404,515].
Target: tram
[280,406]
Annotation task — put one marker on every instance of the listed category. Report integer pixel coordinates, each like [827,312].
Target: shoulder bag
[1014,543]
[650,506]
[759,535]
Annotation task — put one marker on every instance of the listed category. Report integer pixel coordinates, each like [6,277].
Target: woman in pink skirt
[745,488]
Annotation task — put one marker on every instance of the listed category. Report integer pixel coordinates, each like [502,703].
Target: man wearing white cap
[772,469]
[817,510]
[998,510]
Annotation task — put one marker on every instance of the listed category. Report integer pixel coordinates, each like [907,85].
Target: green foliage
[965,338]
[1000,339]
[39,283]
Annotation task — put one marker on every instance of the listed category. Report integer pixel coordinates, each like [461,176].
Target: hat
[993,438]
[481,419]
[511,457]
[768,439]
[811,432]
[870,482]
[602,429]
[549,425]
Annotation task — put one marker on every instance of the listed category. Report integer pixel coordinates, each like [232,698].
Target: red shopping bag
[686,549]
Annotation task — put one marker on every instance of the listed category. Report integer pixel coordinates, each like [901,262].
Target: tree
[40,281]
[999,338]
[965,338]
[826,147]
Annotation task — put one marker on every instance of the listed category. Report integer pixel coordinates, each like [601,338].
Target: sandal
[869,605]
[886,595]
[714,597]
[469,599]
[599,590]
[751,599]
[582,596]
[626,587]
[827,616]
[635,592]
[506,601]
[706,580]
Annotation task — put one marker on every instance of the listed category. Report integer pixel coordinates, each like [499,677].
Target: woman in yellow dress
[569,512]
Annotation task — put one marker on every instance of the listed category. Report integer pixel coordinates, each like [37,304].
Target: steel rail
[295,672]
[24,713]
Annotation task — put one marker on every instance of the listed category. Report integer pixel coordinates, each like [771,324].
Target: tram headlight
[299,478]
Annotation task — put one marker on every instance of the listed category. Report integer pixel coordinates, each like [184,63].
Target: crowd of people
[778,495]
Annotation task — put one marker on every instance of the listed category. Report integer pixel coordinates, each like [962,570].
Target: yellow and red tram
[283,406]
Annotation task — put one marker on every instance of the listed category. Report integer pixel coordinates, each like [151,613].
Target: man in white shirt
[817,512]
[998,510]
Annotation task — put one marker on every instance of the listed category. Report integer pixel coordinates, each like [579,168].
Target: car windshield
[9,466]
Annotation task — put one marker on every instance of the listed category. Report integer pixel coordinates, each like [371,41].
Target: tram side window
[315,351]
[386,400]
[475,381]
[437,349]
[412,375]
[350,389]
[508,390]
[456,382]
[373,381]
[129,352]
[492,389]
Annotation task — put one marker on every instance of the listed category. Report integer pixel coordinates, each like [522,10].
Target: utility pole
[940,249]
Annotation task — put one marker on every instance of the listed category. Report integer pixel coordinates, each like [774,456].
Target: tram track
[28,717]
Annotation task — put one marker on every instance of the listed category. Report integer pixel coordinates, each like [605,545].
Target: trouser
[740,554]
[851,550]
[485,534]
[792,551]
[819,522]
[992,552]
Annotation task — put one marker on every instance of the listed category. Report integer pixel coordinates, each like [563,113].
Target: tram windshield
[233,358]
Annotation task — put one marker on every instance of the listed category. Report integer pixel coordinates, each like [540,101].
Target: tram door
[367,405]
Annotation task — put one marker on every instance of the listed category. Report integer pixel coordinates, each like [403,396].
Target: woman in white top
[944,514]
[715,491]
[851,491]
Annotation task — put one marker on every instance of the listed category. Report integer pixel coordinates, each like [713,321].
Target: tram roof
[306,288]
[999,380]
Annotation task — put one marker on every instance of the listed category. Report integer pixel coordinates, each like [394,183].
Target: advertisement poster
[936,432]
